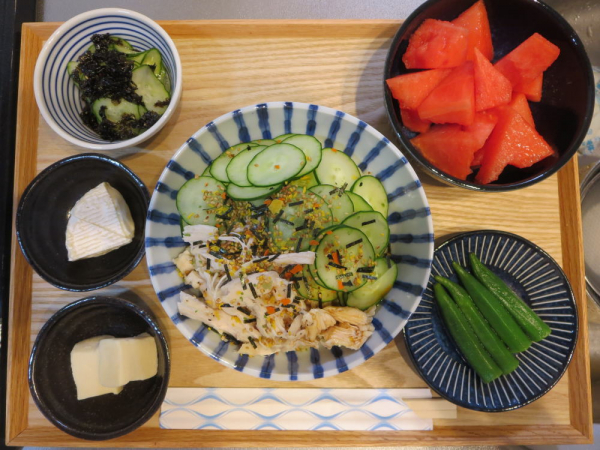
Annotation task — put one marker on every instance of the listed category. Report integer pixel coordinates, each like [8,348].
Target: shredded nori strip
[369,277]
[347,283]
[316,232]
[225,305]
[294,279]
[229,338]
[352,244]
[343,188]
[215,254]
[298,245]
[258,213]
[368,222]
[298,203]
[337,266]
[389,261]
[252,289]
[286,269]
[302,227]
[308,211]
[289,290]
[365,269]
[207,263]
[250,320]
[227,272]
[261,259]
[278,216]
[274,257]
[251,340]
[244,310]
[291,305]
[289,222]
[320,301]
[333,191]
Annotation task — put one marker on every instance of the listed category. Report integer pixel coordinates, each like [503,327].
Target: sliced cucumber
[238,167]
[91,49]
[337,168]
[153,92]
[373,192]
[266,142]
[113,110]
[276,164]
[314,243]
[375,227]
[251,193]
[137,57]
[337,200]
[153,59]
[310,290]
[71,65]
[163,77]
[199,200]
[295,215]
[306,181]
[121,45]
[206,172]
[341,256]
[218,168]
[282,137]
[359,203]
[311,148]
[374,291]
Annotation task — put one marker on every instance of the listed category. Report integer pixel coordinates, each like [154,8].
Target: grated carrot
[329,232]
[336,259]
[286,301]
[333,150]
[297,268]
[270,310]
[313,242]
[267,201]
[340,285]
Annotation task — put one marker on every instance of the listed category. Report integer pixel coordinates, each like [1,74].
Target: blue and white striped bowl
[539,281]
[56,94]
[409,218]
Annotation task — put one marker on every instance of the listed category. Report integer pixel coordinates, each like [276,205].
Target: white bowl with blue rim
[409,219]
[56,94]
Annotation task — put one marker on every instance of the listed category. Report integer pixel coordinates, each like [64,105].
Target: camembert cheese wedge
[100,222]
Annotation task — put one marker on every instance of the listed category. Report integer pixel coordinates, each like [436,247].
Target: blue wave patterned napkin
[291,409]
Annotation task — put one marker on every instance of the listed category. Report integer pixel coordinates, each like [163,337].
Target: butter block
[127,359]
[85,362]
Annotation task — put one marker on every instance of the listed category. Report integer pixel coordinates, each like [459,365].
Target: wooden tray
[230,64]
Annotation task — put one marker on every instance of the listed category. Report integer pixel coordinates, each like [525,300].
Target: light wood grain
[332,63]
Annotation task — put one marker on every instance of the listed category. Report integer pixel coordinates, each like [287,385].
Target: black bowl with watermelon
[489,95]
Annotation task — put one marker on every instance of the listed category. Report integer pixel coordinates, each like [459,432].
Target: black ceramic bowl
[564,114]
[51,381]
[43,214]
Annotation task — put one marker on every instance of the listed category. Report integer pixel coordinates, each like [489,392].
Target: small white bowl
[58,97]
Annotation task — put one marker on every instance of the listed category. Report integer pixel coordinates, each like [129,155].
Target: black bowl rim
[449,179]
[21,238]
[65,311]
[538,249]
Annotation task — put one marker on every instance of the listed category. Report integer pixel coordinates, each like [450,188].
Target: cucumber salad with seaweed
[124,91]
[289,246]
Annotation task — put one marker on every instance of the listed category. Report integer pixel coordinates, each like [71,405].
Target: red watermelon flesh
[529,60]
[513,142]
[436,44]
[412,121]
[475,19]
[453,100]
[448,148]
[519,104]
[533,89]
[481,129]
[491,87]
[412,88]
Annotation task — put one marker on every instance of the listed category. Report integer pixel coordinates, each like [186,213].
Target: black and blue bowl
[563,115]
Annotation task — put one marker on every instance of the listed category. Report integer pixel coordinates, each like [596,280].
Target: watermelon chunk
[529,60]
[533,89]
[412,121]
[491,87]
[481,129]
[436,44]
[448,148]
[451,148]
[519,104]
[513,142]
[475,19]
[412,88]
[453,100]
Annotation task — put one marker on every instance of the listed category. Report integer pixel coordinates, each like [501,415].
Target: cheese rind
[127,359]
[99,222]
[85,360]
